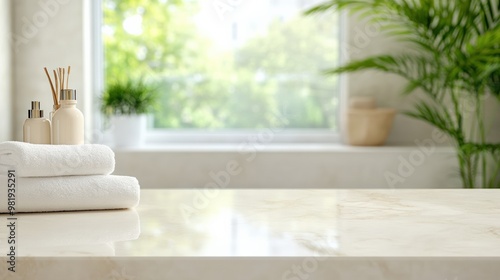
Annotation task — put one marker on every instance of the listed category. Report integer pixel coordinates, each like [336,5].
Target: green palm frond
[438,117]
[442,24]
[453,52]
[476,148]
[417,70]
[461,37]
[386,63]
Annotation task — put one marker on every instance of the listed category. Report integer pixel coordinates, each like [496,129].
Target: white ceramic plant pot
[129,130]
[369,127]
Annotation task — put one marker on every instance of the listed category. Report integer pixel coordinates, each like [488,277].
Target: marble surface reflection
[84,233]
[235,223]
[267,234]
[274,223]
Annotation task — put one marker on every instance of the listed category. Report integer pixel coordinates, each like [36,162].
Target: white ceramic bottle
[54,109]
[36,128]
[67,121]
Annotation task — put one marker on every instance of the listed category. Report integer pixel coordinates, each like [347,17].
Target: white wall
[5,72]
[51,35]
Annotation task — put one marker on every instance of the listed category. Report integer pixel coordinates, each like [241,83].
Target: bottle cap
[35,111]
[67,94]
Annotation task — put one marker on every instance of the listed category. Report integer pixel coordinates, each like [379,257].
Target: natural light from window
[227,64]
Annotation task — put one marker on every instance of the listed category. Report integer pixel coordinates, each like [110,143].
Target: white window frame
[186,136]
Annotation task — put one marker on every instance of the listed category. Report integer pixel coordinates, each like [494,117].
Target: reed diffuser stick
[56,81]
[67,77]
[63,74]
[54,95]
[61,80]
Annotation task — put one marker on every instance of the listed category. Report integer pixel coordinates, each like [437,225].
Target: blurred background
[235,80]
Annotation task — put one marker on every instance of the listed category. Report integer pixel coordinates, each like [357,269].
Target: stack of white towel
[64,178]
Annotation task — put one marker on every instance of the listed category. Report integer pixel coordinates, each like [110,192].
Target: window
[227,65]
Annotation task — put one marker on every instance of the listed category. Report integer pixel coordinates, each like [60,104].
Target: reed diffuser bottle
[36,128]
[67,121]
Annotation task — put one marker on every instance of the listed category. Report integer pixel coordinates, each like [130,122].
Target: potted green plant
[127,103]
[453,57]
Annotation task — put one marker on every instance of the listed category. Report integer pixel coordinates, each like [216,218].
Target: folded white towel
[30,160]
[72,193]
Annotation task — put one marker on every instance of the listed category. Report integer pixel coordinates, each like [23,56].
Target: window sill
[281,148]
[268,136]
[290,166]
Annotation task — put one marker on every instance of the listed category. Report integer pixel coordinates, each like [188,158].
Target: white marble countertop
[387,232]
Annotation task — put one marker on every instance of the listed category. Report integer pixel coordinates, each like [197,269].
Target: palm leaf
[453,52]
[436,117]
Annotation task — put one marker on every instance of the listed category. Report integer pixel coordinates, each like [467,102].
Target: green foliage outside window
[204,86]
